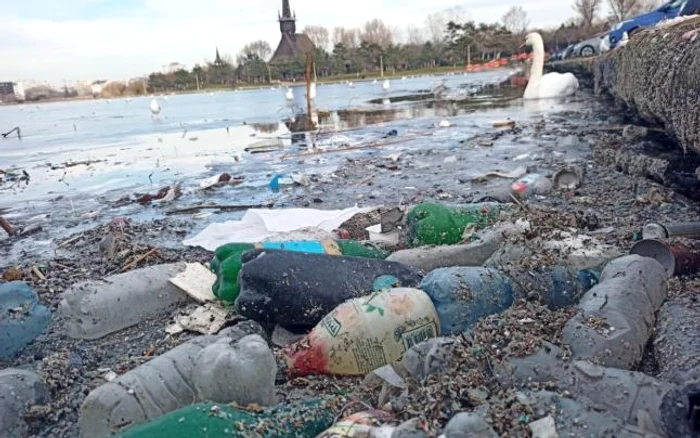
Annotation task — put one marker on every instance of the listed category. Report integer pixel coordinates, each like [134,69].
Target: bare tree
[260,48]
[516,20]
[622,9]
[415,35]
[349,38]
[376,32]
[436,23]
[587,11]
[319,35]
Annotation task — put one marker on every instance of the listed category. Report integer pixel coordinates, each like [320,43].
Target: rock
[242,372]
[94,309]
[162,385]
[22,318]
[19,389]
[468,425]
[544,428]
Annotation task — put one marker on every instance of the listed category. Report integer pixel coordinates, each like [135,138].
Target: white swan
[351,85]
[386,85]
[289,95]
[549,85]
[155,107]
[312,90]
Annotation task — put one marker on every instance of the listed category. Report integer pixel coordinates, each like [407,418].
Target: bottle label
[418,335]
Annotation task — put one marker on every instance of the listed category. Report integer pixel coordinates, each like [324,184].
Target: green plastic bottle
[227,259]
[207,420]
[438,224]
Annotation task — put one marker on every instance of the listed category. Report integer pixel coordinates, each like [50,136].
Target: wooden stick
[69,241]
[6,226]
[38,273]
[217,207]
[139,259]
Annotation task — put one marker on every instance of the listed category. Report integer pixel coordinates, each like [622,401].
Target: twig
[217,207]
[38,273]
[6,226]
[139,259]
[517,201]
[70,241]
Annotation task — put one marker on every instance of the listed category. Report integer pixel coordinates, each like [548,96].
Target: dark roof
[292,47]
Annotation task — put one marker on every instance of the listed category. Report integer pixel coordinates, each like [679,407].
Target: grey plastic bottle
[616,317]
[166,383]
[627,395]
[94,309]
[677,341]
[18,390]
[429,258]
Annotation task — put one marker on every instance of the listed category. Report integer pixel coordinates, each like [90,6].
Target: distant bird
[374,81]
[386,85]
[289,95]
[312,91]
[351,84]
[155,107]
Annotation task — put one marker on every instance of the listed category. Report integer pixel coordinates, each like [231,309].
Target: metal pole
[309,62]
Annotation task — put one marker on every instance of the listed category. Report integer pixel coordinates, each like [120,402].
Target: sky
[68,40]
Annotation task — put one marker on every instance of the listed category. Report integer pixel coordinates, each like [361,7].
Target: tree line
[449,38]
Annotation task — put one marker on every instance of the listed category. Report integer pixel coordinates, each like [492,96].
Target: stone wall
[657,75]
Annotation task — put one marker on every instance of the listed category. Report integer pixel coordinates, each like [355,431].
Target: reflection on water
[125,151]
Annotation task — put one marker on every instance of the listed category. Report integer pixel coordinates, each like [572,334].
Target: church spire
[287,19]
[217,60]
[286,10]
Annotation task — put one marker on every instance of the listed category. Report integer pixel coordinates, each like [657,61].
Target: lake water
[126,150]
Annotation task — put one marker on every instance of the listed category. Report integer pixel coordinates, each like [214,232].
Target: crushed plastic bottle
[22,318]
[296,290]
[364,334]
[227,261]
[438,224]
[207,420]
[463,295]
[94,309]
[179,378]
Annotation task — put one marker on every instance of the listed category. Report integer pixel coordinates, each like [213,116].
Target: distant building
[7,91]
[293,46]
[173,67]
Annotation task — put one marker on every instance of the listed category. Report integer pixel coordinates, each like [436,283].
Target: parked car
[589,47]
[665,12]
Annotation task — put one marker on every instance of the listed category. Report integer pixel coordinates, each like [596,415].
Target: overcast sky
[117,39]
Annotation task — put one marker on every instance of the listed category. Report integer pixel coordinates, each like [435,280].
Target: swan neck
[537,61]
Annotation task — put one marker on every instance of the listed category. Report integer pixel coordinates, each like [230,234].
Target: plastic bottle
[532,184]
[559,286]
[621,393]
[22,318]
[463,295]
[94,309]
[364,334]
[617,316]
[677,340]
[19,389]
[296,290]
[438,224]
[162,385]
[227,261]
[207,420]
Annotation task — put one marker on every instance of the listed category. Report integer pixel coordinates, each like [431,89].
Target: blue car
[667,11]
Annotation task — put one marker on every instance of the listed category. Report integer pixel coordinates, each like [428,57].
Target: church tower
[287,19]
